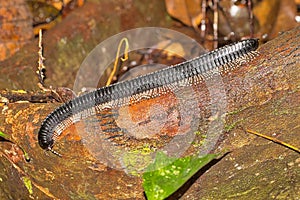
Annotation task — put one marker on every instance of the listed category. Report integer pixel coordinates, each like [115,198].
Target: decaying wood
[262,95]
[33,97]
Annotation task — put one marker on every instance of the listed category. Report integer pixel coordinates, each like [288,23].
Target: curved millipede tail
[150,85]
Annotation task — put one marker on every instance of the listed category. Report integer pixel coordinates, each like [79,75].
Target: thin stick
[116,64]
[203,20]
[41,67]
[249,3]
[215,23]
[41,70]
[274,140]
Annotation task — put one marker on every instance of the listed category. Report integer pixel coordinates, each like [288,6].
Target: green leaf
[3,135]
[167,174]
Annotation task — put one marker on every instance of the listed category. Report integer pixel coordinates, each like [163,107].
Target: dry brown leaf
[266,12]
[172,49]
[275,16]
[186,11]
[286,18]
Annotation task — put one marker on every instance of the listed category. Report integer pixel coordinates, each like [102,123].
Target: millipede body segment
[148,86]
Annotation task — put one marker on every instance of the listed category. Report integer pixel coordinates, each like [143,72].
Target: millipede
[147,86]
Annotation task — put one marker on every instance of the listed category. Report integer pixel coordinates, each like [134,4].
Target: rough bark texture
[266,99]
[263,95]
[16,27]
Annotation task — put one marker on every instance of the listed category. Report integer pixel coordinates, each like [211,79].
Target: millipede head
[252,44]
[45,138]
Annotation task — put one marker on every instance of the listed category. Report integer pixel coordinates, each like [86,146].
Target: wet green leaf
[166,175]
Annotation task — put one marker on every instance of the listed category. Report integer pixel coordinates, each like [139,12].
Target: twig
[203,20]
[41,67]
[250,6]
[26,96]
[116,64]
[274,140]
[41,70]
[215,23]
